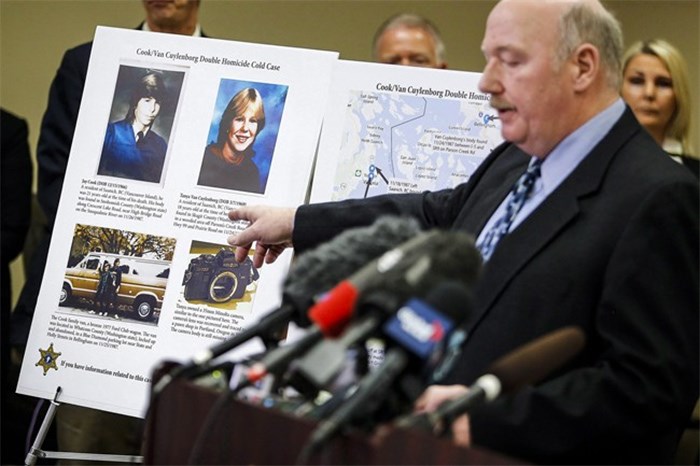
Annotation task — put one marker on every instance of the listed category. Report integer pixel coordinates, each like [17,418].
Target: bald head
[551,66]
[578,22]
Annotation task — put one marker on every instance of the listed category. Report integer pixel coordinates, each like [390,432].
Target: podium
[247,434]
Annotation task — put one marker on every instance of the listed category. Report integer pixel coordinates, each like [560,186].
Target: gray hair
[412,20]
[584,23]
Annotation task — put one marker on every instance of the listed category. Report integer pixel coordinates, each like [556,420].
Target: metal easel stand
[36,452]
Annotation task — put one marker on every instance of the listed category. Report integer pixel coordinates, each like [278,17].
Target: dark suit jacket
[53,149]
[613,250]
[691,164]
[16,195]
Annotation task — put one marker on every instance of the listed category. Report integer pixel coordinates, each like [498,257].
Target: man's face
[407,46]
[528,87]
[169,13]
[146,111]
[243,130]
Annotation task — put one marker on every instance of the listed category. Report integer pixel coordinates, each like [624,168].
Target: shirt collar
[576,146]
[197,30]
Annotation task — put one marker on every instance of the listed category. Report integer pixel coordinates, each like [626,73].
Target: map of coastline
[394,143]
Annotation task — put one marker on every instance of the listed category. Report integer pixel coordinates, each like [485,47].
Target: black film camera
[218,278]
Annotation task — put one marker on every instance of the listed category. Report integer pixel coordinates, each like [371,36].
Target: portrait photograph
[242,136]
[140,123]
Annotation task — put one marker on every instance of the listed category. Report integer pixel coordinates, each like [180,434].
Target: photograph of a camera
[218,278]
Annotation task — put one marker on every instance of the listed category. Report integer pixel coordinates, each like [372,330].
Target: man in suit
[409,39]
[82,429]
[607,240]
[58,125]
[16,195]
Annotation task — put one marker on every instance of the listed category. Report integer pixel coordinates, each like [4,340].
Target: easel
[35,452]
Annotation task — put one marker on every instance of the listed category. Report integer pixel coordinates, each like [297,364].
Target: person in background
[16,194]
[657,88]
[409,39]
[16,203]
[228,162]
[82,429]
[56,136]
[582,220]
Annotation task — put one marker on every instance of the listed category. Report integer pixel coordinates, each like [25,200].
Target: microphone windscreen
[537,359]
[319,269]
[453,299]
[431,258]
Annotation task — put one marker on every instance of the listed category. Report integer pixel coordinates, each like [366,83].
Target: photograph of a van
[140,292]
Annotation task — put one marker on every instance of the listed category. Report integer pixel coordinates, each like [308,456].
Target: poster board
[155,201]
[390,129]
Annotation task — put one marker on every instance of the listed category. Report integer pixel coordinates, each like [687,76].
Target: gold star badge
[48,359]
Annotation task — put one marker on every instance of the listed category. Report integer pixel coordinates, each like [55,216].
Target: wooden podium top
[242,433]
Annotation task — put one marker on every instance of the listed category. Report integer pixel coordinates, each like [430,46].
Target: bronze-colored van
[142,287]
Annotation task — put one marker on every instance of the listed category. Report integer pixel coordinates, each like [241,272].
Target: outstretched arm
[270,228]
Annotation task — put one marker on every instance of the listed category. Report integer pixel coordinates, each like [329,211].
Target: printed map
[393,143]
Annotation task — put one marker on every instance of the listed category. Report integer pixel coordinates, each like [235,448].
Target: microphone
[278,358]
[319,269]
[416,266]
[413,267]
[525,365]
[415,336]
[312,273]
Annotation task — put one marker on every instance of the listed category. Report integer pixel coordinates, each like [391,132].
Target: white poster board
[390,129]
[160,204]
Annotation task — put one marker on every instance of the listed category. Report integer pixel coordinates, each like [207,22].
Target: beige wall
[35,33]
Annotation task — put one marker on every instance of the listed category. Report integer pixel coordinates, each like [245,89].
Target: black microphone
[410,269]
[415,335]
[312,273]
[430,258]
[525,365]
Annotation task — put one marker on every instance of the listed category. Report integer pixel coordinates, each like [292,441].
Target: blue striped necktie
[519,194]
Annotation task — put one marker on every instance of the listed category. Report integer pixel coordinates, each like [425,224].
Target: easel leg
[36,452]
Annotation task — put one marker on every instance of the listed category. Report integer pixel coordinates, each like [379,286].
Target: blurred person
[228,162]
[16,194]
[82,429]
[58,126]
[409,39]
[657,88]
[596,224]
[16,201]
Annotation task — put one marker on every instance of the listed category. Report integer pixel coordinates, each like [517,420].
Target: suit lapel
[493,181]
[517,249]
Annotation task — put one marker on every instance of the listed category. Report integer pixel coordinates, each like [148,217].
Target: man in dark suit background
[81,429]
[16,195]
[607,241]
